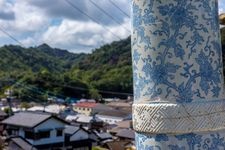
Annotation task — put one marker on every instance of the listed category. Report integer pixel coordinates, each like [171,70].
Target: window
[83,108]
[59,132]
[29,135]
[44,134]
[15,132]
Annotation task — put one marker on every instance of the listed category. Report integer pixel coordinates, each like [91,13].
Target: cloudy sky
[61,25]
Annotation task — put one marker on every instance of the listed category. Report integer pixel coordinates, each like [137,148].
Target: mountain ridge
[60,72]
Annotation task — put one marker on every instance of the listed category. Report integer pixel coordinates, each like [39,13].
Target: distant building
[127,124]
[54,109]
[77,137]
[103,137]
[40,130]
[112,116]
[84,120]
[84,107]
[126,135]
[121,105]
[97,124]
[68,111]
[100,107]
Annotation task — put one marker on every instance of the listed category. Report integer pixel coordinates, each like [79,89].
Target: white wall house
[112,116]
[76,136]
[44,131]
[39,129]
[110,119]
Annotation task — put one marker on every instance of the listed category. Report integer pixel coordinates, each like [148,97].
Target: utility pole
[9,100]
[179,101]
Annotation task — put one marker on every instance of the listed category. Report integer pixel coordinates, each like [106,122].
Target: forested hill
[44,70]
[48,71]
[16,58]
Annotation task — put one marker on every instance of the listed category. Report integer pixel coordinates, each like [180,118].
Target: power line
[72,87]
[21,83]
[107,14]
[21,44]
[114,4]
[9,35]
[85,89]
[93,19]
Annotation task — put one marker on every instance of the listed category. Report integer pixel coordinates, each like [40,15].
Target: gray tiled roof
[71,129]
[114,113]
[104,136]
[26,119]
[22,143]
[126,133]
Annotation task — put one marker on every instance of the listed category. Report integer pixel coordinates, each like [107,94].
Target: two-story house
[77,138]
[39,130]
[84,107]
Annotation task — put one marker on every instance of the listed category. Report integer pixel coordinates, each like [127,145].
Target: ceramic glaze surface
[178,82]
[190,141]
[176,51]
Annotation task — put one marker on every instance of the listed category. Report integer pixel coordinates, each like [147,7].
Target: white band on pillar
[169,118]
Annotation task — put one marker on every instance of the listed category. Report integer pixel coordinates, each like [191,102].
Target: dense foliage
[39,72]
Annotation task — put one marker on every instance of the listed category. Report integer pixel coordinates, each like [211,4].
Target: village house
[126,124]
[39,130]
[113,116]
[84,107]
[54,109]
[122,105]
[126,135]
[77,138]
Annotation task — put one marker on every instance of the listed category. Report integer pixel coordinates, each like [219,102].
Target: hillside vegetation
[39,72]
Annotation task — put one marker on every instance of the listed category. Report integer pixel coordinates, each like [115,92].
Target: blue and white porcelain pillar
[178,81]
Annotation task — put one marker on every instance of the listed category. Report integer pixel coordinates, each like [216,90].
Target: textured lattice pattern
[179,118]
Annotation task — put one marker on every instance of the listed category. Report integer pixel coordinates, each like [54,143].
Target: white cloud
[76,34]
[63,9]
[28,22]
[32,23]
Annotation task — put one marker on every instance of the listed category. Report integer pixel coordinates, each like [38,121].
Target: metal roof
[114,113]
[71,129]
[22,143]
[26,119]
[126,133]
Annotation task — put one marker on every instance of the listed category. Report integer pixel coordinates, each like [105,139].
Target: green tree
[94,94]
[24,105]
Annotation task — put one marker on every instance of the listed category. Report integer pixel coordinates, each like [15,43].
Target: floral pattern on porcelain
[176,51]
[192,141]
